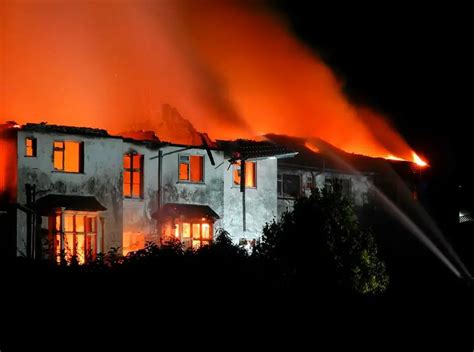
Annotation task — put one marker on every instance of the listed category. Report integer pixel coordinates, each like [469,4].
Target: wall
[260,202]
[210,192]
[102,178]
[137,213]
[360,185]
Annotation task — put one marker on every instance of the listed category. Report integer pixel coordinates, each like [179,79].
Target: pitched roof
[323,155]
[244,149]
[44,127]
[50,202]
[187,210]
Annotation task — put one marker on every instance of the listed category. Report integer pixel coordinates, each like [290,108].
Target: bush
[323,236]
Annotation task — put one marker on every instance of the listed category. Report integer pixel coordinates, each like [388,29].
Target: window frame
[189,242]
[57,230]
[64,151]
[132,170]
[237,165]
[203,163]
[284,195]
[33,147]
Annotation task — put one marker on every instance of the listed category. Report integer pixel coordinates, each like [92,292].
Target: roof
[174,210]
[47,203]
[44,127]
[322,155]
[244,149]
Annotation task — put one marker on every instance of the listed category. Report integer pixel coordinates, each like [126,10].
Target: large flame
[233,69]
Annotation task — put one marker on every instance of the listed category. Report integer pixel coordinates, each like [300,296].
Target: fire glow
[231,68]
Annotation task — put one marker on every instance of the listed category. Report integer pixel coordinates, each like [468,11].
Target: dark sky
[412,63]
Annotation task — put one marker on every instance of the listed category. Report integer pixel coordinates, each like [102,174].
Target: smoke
[231,68]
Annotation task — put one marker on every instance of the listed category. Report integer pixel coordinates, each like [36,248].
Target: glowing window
[191,168]
[68,156]
[133,241]
[250,174]
[186,231]
[199,232]
[78,235]
[196,231]
[30,147]
[133,175]
[206,231]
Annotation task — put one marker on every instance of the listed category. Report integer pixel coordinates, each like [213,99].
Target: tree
[323,235]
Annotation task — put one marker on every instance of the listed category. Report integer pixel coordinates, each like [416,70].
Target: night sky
[412,63]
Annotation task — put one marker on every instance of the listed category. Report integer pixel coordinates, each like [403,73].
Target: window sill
[191,183]
[133,198]
[67,172]
[238,187]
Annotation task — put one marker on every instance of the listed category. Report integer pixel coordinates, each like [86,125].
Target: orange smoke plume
[233,69]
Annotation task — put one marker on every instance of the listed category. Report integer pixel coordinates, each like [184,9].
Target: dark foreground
[153,309]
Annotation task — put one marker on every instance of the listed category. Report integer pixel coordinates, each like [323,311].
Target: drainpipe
[242,189]
[160,193]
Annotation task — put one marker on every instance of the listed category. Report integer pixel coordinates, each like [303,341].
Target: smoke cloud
[233,69]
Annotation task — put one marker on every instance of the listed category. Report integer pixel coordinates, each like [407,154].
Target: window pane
[291,185]
[136,191]
[80,250]
[58,160]
[137,161]
[236,175]
[72,157]
[136,177]
[127,162]
[197,231]
[68,223]
[205,243]
[58,145]
[186,230]
[176,231]
[29,147]
[58,222]
[196,168]
[90,224]
[206,231]
[184,172]
[126,183]
[69,246]
[57,247]
[250,174]
[79,223]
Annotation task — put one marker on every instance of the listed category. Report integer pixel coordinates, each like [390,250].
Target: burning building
[80,191]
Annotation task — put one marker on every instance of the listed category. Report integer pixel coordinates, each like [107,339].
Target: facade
[68,192]
[75,192]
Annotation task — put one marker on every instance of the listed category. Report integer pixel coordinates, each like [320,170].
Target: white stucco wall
[360,185]
[102,178]
[137,213]
[210,192]
[260,202]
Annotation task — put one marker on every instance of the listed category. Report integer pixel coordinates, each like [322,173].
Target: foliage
[336,249]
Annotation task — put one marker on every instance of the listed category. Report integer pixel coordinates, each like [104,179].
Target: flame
[393,157]
[417,160]
[231,68]
[311,147]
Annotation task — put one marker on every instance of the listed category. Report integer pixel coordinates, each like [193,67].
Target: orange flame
[417,160]
[232,68]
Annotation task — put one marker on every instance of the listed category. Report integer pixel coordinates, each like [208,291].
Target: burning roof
[85,131]
[245,149]
[319,154]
